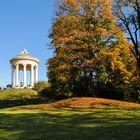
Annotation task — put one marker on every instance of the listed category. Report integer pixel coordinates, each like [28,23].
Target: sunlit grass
[14,94]
[70,119]
[100,122]
[18,97]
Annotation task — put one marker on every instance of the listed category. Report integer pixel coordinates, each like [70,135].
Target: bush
[130,92]
[45,89]
[41,85]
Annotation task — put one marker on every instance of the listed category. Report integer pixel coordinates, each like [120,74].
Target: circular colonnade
[24,62]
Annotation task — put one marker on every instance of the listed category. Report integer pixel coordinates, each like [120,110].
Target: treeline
[96,49]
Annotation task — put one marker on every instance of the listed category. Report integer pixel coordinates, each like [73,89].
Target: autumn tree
[128,13]
[90,49]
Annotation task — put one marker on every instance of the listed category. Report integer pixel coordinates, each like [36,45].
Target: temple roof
[24,55]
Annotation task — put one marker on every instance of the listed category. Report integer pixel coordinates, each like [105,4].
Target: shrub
[45,89]
[130,92]
[41,85]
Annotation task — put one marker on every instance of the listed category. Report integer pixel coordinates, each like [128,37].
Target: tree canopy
[91,51]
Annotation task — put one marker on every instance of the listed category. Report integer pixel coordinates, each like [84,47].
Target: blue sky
[24,24]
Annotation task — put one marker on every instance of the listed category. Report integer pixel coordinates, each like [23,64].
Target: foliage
[44,89]
[89,102]
[128,13]
[40,85]
[91,52]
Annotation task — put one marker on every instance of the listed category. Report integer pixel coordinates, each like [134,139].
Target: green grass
[98,123]
[43,122]
[14,94]
[16,97]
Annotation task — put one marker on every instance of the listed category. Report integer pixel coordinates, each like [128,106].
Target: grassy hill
[72,119]
[14,94]
[15,97]
[84,102]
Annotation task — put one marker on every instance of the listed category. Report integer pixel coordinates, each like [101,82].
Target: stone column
[36,75]
[17,75]
[24,76]
[13,77]
[31,76]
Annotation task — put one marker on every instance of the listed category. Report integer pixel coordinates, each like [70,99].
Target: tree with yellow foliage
[90,49]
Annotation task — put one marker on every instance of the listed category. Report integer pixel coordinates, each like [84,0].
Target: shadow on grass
[47,126]
[20,102]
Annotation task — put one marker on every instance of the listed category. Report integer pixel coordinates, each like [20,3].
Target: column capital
[32,66]
[24,66]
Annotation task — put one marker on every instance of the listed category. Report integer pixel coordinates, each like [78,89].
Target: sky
[25,24]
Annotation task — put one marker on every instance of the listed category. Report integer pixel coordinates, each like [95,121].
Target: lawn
[16,97]
[55,121]
[14,94]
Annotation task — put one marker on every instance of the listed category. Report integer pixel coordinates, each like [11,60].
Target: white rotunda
[24,62]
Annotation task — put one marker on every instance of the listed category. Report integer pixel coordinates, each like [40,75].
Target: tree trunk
[138,63]
[91,87]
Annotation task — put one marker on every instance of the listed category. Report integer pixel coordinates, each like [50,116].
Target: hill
[85,102]
[14,94]
[72,119]
[16,97]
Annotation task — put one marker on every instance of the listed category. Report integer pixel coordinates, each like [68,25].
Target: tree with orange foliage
[90,49]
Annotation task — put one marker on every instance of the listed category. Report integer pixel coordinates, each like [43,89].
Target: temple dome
[24,55]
